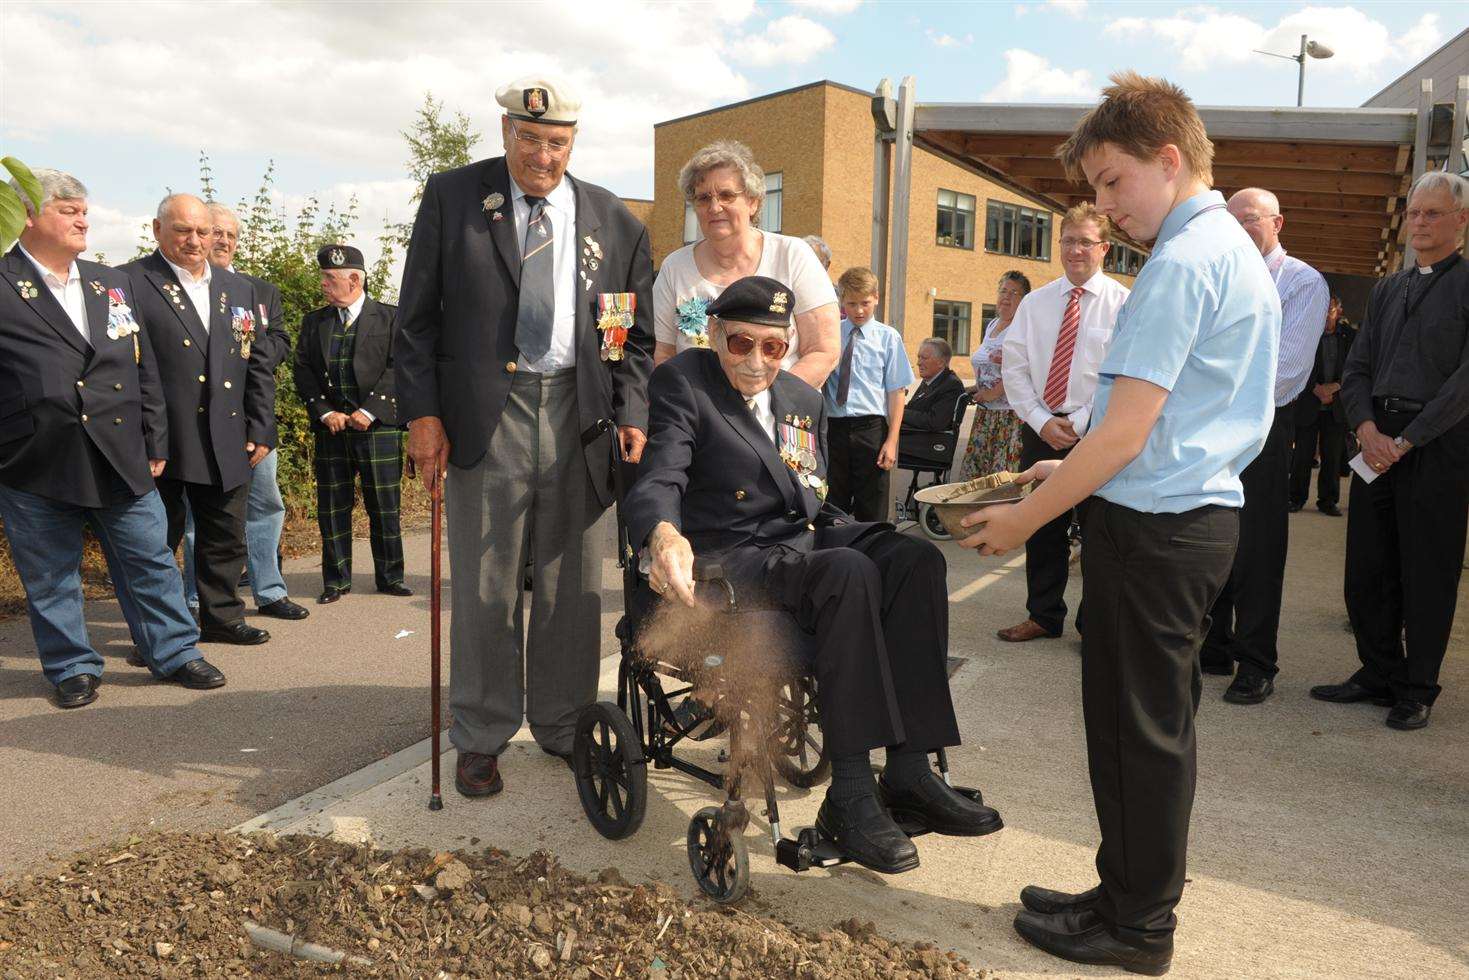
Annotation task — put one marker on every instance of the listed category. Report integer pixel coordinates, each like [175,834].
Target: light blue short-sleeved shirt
[1203,321]
[879,365]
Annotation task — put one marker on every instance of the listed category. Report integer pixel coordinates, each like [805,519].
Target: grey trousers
[528,498]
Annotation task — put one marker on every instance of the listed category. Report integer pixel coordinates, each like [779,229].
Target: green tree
[434,144]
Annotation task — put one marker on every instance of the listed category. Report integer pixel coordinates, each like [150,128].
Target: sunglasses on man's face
[771,348]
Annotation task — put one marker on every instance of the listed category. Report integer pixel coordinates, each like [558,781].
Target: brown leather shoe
[1028,630]
[477,774]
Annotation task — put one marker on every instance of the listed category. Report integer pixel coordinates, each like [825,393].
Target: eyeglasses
[1256,217]
[1067,244]
[1429,216]
[529,143]
[725,198]
[771,348]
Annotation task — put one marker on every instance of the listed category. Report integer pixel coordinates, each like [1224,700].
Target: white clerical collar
[71,273]
[185,277]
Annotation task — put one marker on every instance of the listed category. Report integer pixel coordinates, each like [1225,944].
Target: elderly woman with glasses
[994,439]
[726,188]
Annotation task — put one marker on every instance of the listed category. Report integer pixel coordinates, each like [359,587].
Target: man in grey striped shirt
[1246,617]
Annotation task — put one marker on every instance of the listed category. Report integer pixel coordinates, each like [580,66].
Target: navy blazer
[372,364]
[75,417]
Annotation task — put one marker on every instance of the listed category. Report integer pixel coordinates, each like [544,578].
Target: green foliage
[12,207]
[434,144]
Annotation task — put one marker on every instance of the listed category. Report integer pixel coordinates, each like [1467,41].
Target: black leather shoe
[1084,938]
[1249,689]
[1048,901]
[1330,510]
[239,633]
[477,774]
[1350,692]
[398,588]
[198,675]
[330,594]
[77,690]
[866,833]
[1406,716]
[934,805]
[284,608]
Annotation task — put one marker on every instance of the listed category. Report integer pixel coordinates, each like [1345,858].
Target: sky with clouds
[126,95]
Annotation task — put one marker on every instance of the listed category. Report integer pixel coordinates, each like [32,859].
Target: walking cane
[436,520]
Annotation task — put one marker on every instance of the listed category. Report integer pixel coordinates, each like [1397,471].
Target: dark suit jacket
[217,399]
[276,339]
[931,409]
[456,319]
[75,417]
[372,364]
[1331,360]
[710,472]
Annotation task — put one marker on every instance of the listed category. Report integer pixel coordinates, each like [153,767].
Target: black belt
[1394,404]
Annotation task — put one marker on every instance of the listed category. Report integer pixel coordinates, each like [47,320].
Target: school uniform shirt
[879,365]
[1202,322]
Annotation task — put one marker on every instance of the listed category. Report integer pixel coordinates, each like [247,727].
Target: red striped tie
[1060,373]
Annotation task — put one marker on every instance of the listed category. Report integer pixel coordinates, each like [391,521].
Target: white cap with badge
[538,99]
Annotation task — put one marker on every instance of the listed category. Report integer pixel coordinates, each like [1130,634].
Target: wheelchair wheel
[611,773]
[797,748]
[928,519]
[719,859]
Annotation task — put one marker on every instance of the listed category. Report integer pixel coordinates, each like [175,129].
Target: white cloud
[1031,78]
[1422,39]
[832,7]
[947,40]
[1073,7]
[114,234]
[785,40]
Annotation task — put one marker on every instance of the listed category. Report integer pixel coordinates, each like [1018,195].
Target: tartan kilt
[375,458]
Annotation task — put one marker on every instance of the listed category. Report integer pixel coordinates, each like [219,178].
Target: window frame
[951,319]
[773,203]
[957,214]
[1006,224]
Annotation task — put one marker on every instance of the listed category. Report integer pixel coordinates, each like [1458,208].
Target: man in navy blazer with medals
[220,396]
[735,471]
[82,435]
[524,347]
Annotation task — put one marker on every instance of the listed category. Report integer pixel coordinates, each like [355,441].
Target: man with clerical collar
[1406,392]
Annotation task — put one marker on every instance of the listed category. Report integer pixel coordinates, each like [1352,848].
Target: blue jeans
[263,522]
[46,545]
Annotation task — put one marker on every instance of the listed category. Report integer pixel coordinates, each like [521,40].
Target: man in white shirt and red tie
[1052,351]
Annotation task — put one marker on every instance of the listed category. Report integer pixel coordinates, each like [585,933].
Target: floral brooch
[693,320]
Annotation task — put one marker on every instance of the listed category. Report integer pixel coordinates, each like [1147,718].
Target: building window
[770,216]
[1124,260]
[1012,230]
[956,219]
[690,225]
[951,322]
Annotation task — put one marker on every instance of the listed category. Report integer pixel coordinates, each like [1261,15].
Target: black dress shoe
[1350,692]
[1330,510]
[866,833]
[1406,716]
[1249,689]
[240,633]
[1048,901]
[477,774]
[284,608]
[198,675]
[1084,938]
[931,803]
[330,594]
[398,588]
[77,690]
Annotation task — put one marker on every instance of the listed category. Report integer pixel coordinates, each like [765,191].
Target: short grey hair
[55,186]
[166,205]
[1433,180]
[940,346]
[217,209]
[822,250]
[723,153]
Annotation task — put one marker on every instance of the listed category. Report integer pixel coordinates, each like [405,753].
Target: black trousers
[879,610]
[1405,553]
[1330,434]
[1149,580]
[1245,619]
[219,543]
[376,458]
[1048,551]
[855,482]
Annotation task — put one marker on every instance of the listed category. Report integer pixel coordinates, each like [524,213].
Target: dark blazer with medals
[931,409]
[460,299]
[217,385]
[275,341]
[75,417]
[372,363]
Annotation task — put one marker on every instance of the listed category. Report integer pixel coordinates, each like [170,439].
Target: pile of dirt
[178,905]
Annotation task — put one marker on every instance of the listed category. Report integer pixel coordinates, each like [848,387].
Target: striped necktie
[537,313]
[1059,377]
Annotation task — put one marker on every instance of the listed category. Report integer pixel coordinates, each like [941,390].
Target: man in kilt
[344,375]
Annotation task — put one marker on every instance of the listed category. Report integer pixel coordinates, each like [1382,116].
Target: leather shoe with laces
[1406,716]
[867,834]
[330,594]
[477,774]
[1330,510]
[1350,692]
[933,804]
[1028,630]
[1249,689]
[284,608]
[1048,901]
[77,690]
[240,633]
[1082,937]
[198,675]
[398,589]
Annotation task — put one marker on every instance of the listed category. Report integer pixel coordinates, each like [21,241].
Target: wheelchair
[616,742]
[929,454]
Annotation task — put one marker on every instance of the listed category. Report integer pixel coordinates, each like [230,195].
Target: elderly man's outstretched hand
[672,573]
[1003,527]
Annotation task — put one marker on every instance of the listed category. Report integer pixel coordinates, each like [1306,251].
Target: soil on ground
[174,905]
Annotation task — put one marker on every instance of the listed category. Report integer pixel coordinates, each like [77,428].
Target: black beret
[340,257]
[760,300]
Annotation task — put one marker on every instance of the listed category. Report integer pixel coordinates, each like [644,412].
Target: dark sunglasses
[771,348]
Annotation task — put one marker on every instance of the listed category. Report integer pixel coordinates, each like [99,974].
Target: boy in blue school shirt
[864,402]
[1184,402]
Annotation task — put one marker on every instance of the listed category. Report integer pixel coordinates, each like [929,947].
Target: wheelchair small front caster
[718,857]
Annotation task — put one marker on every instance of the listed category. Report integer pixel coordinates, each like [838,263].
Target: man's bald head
[1258,212]
[184,231]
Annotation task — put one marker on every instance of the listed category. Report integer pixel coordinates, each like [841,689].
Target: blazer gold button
[117,387]
[201,379]
[233,414]
[227,384]
[117,421]
[739,495]
[84,418]
[187,343]
[510,367]
[201,409]
[81,384]
[810,527]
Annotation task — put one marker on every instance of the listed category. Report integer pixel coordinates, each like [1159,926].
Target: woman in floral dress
[994,441]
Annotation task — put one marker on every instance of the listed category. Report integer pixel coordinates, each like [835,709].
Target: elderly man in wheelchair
[734,472]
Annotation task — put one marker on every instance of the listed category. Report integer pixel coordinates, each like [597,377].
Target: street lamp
[1314,49]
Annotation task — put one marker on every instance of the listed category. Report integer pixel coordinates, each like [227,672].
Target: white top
[782,258]
[196,289]
[561,207]
[1030,341]
[763,413]
[1304,297]
[68,293]
[986,362]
